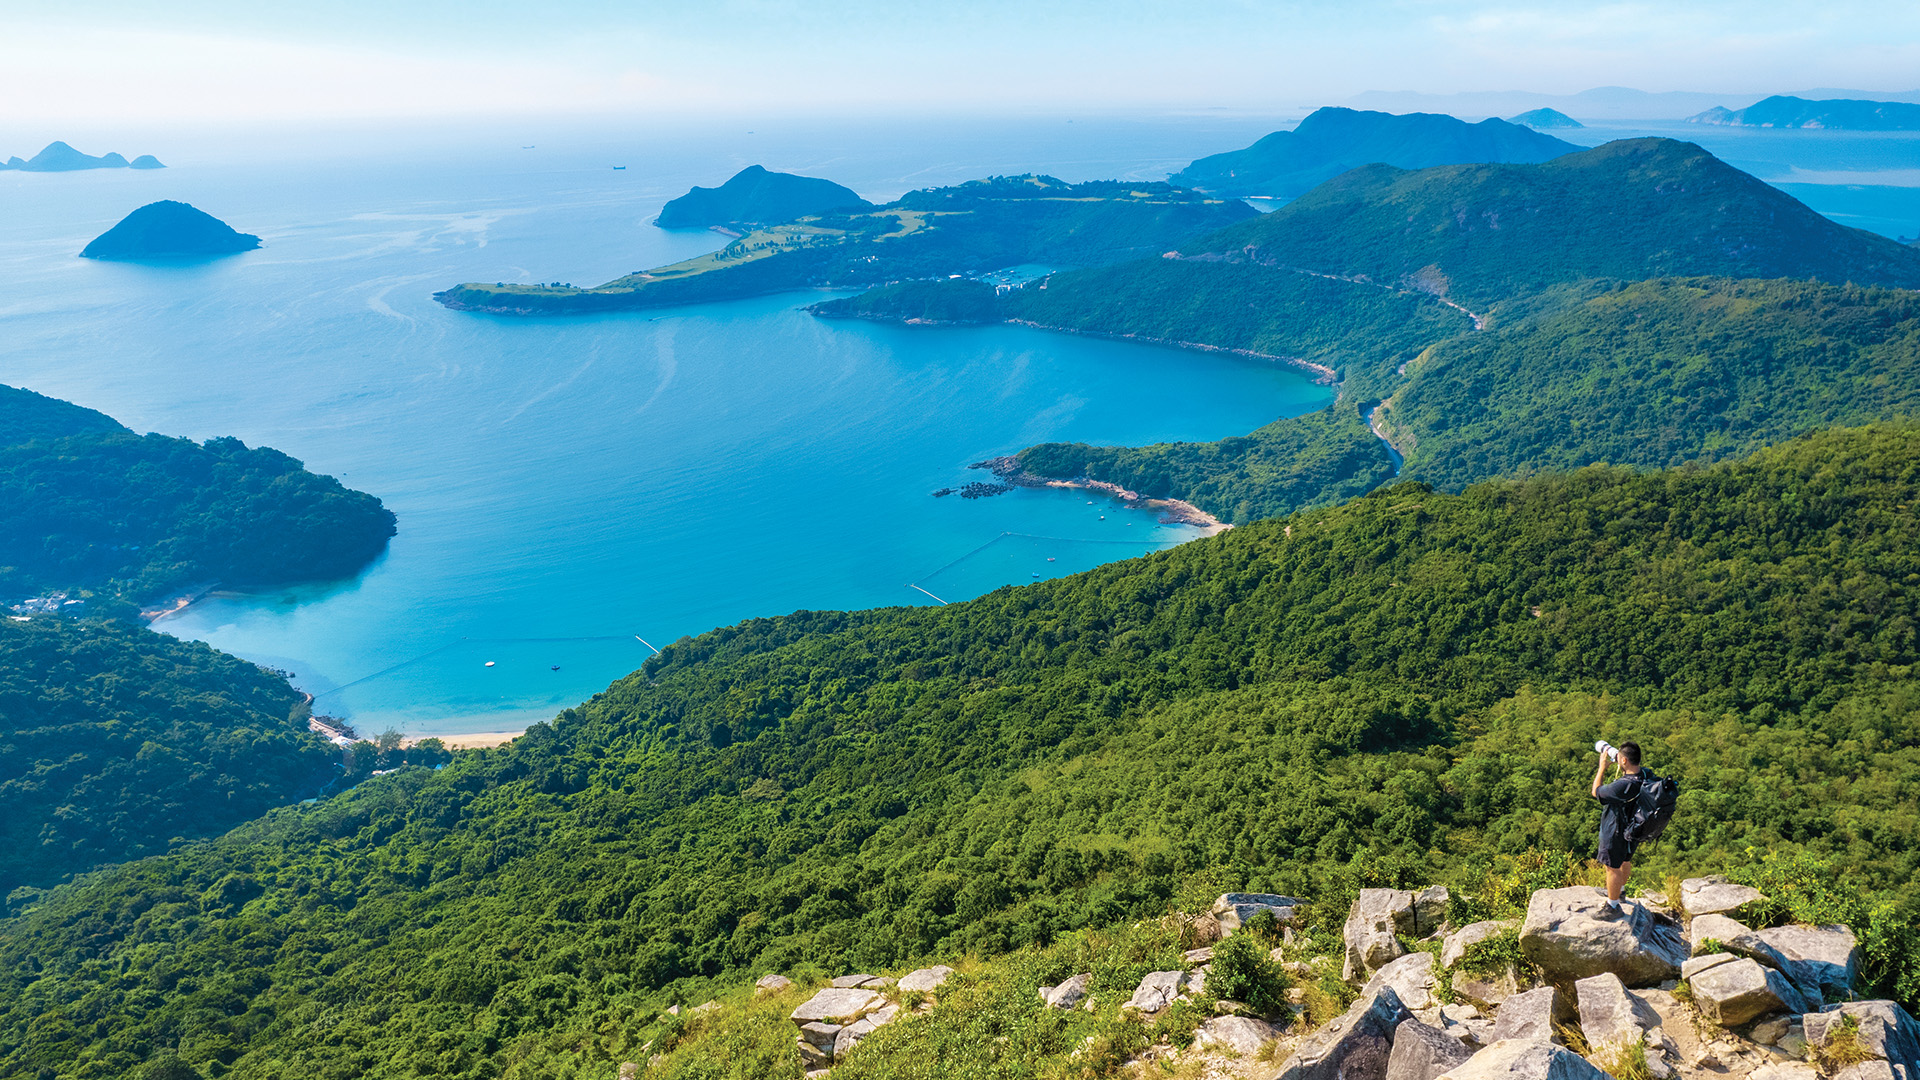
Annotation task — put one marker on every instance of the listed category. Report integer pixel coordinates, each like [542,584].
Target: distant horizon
[226,61]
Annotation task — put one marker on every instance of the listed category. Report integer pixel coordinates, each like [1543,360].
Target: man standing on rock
[1617,801]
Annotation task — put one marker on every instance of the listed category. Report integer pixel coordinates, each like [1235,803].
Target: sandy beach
[475,740]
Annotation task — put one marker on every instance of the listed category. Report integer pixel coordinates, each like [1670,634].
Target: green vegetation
[1332,140]
[115,739]
[1627,210]
[975,227]
[1842,114]
[757,196]
[86,504]
[1398,690]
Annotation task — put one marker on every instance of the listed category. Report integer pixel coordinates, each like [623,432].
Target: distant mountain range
[755,196]
[1842,114]
[1600,103]
[59,157]
[1333,140]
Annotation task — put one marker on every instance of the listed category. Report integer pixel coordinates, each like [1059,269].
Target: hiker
[1618,802]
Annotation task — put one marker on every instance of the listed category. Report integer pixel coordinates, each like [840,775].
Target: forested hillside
[87,504]
[115,739]
[1391,691]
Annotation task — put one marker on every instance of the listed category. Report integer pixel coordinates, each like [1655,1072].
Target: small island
[169,230]
[59,157]
[755,196]
[1541,119]
[1838,114]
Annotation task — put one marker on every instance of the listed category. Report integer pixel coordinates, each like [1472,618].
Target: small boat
[555,667]
[1049,558]
[489,663]
[619,168]
[1036,575]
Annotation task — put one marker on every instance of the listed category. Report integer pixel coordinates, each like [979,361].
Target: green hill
[1399,689]
[114,740]
[757,197]
[1631,209]
[1545,119]
[1332,140]
[168,230]
[980,226]
[87,505]
[1840,114]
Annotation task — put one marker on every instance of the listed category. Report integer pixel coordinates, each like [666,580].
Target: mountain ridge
[755,196]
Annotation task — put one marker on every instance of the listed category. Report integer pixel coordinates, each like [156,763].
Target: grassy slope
[1357,695]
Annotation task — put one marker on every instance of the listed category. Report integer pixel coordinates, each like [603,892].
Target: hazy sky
[210,60]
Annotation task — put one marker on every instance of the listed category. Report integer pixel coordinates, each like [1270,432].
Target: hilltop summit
[168,229]
[758,197]
[1333,140]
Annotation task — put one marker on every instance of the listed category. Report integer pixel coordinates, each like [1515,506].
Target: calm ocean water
[566,488]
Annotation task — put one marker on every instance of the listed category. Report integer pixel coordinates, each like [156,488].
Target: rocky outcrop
[1242,1035]
[1356,1046]
[925,980]
[1525,1059]
[1531,1015]
[1068,994]
[1742,989]
[1423,1052]
[1454,948]
[870,982]
[1234,909]
[1822,961]
[1715,895]
[1412,979]
[1570,935]
[1374,923]
[1882,1028]
[1609,1014]
[1159,989]
[772,984]
[823,1019]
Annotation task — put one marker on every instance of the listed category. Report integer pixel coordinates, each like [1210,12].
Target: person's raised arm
[1599,774]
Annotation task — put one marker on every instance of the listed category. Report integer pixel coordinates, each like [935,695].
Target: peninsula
[757,197]
[168,230]
[1333,140]
[1839,114]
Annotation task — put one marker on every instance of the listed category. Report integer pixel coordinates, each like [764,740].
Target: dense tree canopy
[1389,691]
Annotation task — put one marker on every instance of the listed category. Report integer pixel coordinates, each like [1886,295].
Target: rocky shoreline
[1169,511]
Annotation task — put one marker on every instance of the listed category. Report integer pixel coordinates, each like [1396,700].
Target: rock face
[1422,1052]
[1530,1015]
[1454,949]
[1356,1046]
[1714,895]
[925,980]
[1067,994]
[1412,980]
[1712,928]
[1234,909]
[1159,989]
[1885,1029]
[756,196]
[1569,935]
[1821,961]
[1373,922]
[837,1006]
[168,230]
[834,1021]
[1526,1059]
[1735,992]
[1609,1014]
[1242,1035]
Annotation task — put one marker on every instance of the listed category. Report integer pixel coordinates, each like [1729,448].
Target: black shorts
[1614,851]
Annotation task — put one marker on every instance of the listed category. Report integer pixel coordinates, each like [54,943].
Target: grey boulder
[1715,894]
[1067,994]
[837,1005]
[1235,908]
[1821,960]
[1609,1013]
[1570,936]
[851,1035]
[1423,1052]
[1430,910]
[1159,989]
[772,984]
[1412,980]
[925,980]
[1525,1059]
[1884,1028]
[1531,1015]
[1454,948]
[1374,922]
[1731,994]
[1241,1034]
[1354,1046]
[871,982]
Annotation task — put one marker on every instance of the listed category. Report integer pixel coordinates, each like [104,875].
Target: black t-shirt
[1616,807]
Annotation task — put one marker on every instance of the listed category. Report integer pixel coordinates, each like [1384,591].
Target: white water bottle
[1607,750]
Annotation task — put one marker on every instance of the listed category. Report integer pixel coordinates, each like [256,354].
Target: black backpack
[1652,808]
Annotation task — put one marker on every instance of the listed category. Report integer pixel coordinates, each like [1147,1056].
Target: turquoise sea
[571,490]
